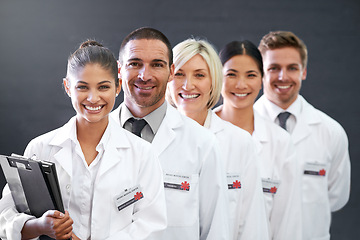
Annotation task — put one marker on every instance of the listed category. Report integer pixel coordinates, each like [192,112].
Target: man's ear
[303,77]
[118,89]
[67,86]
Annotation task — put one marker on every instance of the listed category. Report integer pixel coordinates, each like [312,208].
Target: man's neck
[140,111]
[283,105]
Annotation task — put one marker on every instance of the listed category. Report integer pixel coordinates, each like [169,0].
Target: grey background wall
[37,36]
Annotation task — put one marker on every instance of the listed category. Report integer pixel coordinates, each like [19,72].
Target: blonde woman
[194,90]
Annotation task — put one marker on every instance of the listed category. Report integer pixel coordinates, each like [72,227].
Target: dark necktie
[282,119]
[137,125]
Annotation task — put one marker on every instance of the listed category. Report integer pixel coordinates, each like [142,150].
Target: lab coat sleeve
[253,224]
[149,218]
[286,220]
[11,221]
[339,174]
[214,219]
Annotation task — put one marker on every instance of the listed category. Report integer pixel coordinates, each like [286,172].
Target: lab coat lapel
[260,133]
[166,133]
[63,157]
[62,149]
[216,124]
[112,156]
[307,118]
[301,131]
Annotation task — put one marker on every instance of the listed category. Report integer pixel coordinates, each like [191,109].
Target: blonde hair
[187,49]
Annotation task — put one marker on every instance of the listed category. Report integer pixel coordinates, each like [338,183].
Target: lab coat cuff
[15,223]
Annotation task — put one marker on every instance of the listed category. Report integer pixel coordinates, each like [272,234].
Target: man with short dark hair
[194,178]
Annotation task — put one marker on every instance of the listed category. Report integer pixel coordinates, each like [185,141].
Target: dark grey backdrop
[37,36]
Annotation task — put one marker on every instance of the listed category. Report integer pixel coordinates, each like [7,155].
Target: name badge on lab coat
[270,185]
[316,169]
[233,181]
[177,181]
[128,197]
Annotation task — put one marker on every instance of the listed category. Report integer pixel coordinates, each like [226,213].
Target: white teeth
[93,108]
[283,87]
[240,94]
[145,88]
[190,96]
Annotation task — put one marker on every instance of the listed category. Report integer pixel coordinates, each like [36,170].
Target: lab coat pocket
[315,182]
[234,194]
[124,206]
[182,198]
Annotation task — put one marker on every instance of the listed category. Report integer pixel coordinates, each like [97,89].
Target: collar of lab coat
[216,124]
[167,130]
[308,116]
[260,134]
[62,139]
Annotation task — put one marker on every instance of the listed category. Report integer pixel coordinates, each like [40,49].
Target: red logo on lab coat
[185,186]
[236,184]
[273,190]
[322,172]
[138,196]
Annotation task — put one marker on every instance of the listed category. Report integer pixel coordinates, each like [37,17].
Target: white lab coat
[185,148]
[319,140]
[126,162]
[247,209]
[279,164]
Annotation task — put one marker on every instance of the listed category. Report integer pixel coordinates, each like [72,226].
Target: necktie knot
[137,125]
[282,119]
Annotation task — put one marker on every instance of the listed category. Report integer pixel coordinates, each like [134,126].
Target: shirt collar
[154,118]
[274,110]
[103,141]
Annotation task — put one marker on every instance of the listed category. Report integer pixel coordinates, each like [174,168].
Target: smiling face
[145,72]
[242,82]
[283,75]
[190,89]
[92,91]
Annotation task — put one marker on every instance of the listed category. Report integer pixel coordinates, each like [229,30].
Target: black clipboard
[33,184]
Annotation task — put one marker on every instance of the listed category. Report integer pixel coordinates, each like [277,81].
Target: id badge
[316,169]
[128,197]
[270,185]
[177,181]
[233,181]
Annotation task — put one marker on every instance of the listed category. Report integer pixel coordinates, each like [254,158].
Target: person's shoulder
[324,117]
[189,127]
[48,137]
[194,127]
[260,102]
[43,143]
[232,129]
[324,120]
